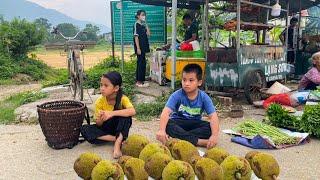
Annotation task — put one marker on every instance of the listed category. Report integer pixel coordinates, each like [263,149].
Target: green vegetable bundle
[253,128]
[279,117]
[316,92]
[310,120]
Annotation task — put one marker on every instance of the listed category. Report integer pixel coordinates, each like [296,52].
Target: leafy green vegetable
[310,120]
[279,117]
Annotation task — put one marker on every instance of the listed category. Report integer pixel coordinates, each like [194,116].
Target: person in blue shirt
[182,116]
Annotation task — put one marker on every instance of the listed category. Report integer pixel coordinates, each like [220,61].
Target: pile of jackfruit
[176,160]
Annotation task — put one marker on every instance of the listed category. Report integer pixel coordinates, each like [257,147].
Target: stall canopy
[183,4]
[195,4]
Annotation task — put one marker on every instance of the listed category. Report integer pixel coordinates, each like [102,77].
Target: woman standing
[141,47]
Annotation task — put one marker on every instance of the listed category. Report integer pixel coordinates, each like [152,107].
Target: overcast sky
[97,11]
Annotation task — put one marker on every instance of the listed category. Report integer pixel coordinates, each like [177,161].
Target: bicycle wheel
[72,75]
[79,81]
[78,77]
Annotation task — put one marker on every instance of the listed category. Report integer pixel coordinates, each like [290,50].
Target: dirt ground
[25,154]
[57,59]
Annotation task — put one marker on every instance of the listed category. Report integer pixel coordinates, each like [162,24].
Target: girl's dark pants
[189,130]
[141,67]
[113,126]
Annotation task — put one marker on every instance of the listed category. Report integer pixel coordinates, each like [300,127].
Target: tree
[44,23]
[92,33]
[1,19]
[19,36]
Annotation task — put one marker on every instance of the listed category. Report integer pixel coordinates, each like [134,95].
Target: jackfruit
[152,148]
[208,169]
[177,170]
[236,168]
[217,154]
[265,166]
[123,159]
[194,160]
[106,170]
[134,145]
[134,169]
[184,151]
[156,163]
[170,143]
[249,157]
[85,163]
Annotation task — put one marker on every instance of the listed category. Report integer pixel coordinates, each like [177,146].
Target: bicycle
[75,67]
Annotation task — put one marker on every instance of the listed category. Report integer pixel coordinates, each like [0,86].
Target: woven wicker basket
[60,122]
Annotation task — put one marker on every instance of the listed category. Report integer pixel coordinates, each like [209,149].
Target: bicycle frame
[75,68]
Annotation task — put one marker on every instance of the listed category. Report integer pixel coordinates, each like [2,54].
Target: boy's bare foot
[117,153]
[108,138]
[202,142]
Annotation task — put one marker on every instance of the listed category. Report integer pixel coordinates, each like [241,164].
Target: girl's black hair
[139,13]
[116,80]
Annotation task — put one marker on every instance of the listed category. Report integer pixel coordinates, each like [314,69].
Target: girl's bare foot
[117,147]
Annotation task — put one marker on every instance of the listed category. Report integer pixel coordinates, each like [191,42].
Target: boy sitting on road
[182,116]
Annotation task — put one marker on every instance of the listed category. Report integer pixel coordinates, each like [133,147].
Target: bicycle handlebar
[56,31]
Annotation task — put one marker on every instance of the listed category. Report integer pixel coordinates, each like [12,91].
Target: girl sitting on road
[113,112]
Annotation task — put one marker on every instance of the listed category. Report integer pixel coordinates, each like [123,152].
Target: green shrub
[18,37]
[8,105]
[128,76]
[148,111]
[8,68]
[36,69]
[56,77]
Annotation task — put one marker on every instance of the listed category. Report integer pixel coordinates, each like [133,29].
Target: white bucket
[195,45]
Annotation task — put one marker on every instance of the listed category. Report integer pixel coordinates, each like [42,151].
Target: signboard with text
[156,20]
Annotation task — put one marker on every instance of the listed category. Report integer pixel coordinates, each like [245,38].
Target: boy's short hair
[193,68]
[186,17]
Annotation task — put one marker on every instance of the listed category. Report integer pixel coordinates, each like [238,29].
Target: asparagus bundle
[253,128]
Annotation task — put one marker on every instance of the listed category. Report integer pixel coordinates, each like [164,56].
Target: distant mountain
[31,11]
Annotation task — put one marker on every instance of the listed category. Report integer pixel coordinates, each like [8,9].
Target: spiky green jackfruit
[134,145]
[85,163]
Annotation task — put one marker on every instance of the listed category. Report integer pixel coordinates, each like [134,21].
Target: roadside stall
[238,65]
[252,66]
